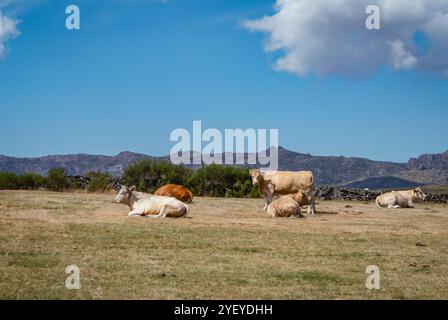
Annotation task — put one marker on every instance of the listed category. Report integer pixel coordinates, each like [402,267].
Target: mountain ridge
[334,170]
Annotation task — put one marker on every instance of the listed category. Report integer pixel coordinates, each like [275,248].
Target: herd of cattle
[294,188]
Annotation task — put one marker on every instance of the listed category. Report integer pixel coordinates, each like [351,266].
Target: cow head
[299,197]
[419,194]
[256,176]
[124,194]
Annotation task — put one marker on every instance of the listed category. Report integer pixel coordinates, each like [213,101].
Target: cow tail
[377,202]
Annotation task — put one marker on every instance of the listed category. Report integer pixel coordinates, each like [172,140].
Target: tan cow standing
[285,206]
[399,199]
[272,183]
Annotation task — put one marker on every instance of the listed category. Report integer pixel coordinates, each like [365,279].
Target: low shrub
[99,181]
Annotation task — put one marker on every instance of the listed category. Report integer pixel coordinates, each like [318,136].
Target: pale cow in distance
[272,183]
[149,205]
[400,199]
[285,206]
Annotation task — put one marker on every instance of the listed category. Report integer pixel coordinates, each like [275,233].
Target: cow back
[176,191]
[287,182]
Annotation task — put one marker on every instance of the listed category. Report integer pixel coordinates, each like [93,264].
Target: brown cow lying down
[285,206]
[176,191]
[399,199]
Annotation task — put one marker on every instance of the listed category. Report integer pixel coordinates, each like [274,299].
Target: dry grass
[227,249]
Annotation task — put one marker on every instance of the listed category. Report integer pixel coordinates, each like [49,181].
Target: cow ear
[132,188]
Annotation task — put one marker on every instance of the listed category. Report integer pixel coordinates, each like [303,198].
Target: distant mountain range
[328,170]
[382,183]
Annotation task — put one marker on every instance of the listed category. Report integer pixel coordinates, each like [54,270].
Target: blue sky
[139,69]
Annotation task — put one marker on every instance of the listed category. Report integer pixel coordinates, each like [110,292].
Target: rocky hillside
[359,172]
[337,170]
[429,162]
[389,182]
[428,167]
[77,164]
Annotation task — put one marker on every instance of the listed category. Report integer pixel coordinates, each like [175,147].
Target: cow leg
[268,201]
[392,206]
[411,204]
[186,212]
[269,196]
[162,214]
[298,215]
[265,208]
[312,203]
[134,213]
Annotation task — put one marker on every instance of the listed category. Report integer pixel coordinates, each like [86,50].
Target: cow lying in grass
[288,205]
[149,205]
[285,206]
[399,199]
[300,197]
[176,191]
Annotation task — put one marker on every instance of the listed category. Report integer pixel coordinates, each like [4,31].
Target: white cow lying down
[149,205]
[400,199]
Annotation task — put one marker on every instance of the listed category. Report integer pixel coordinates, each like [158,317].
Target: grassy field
[226,249]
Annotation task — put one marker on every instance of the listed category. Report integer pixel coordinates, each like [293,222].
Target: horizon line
[167,155]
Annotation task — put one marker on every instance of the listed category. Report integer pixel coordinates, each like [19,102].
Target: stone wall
[82,182]
[323,193]
[337,193]
[437,197]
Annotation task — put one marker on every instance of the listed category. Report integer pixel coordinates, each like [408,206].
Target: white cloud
[401,59]
[8,30]
[330,38]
